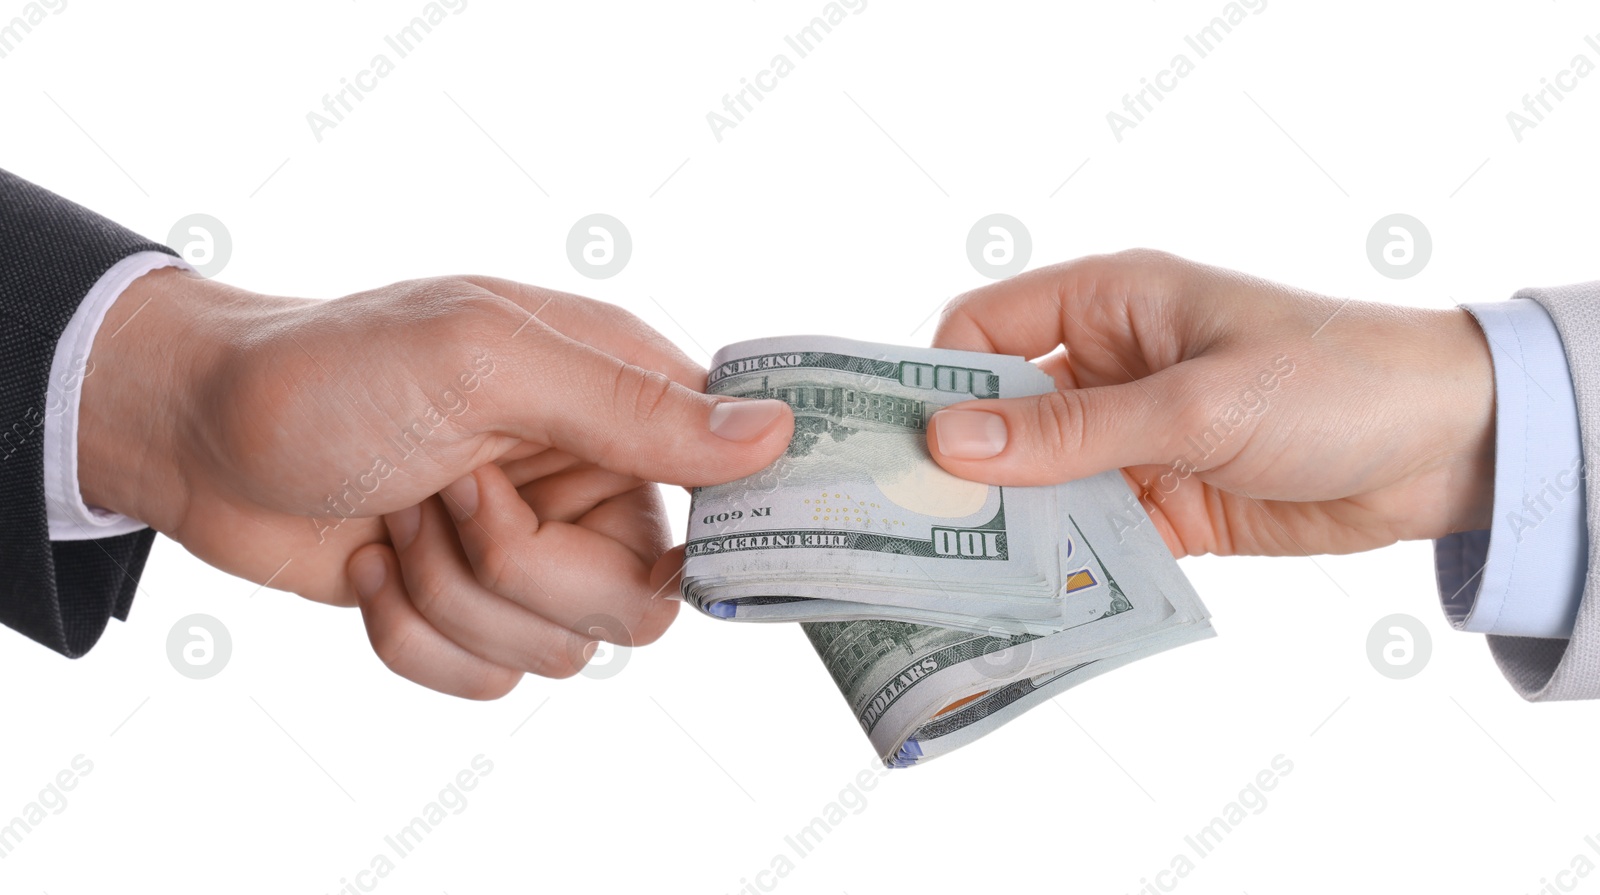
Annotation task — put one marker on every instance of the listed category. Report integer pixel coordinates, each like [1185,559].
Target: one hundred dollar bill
[857,521]
[941,608]
[920,691]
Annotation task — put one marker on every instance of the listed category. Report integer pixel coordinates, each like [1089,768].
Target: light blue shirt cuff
[1524,576]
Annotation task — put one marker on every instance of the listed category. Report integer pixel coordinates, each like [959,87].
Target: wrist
[1467,394]
[161,341]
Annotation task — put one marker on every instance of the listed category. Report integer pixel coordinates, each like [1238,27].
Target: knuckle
[625,320]
[1145,257]
[1059,424]
[961,319]
[1198,408]
[564,660]
[394,649]
[476,311]
[629,625]
[429,293]
[1143,270]
[644,391]
[429,590]
[492,684]
[455,308]
[956,309]
[657,617]
[494,568]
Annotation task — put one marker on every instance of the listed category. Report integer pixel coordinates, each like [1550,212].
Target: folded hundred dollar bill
[942,608]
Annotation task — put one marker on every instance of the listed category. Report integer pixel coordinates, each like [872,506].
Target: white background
[841,205]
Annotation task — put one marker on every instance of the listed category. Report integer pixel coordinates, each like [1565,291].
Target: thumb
[1059,436]
[641,423]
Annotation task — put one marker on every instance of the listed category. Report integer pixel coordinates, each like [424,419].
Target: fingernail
[367,573]
[461,497]
[744,420]
[403,525]
[969,434]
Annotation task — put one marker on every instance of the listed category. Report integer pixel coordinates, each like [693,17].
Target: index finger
[1036,312]
[612,329]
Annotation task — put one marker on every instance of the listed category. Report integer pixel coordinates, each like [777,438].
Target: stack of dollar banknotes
[942,608]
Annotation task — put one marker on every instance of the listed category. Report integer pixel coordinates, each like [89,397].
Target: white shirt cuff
[70,518]
[1524,576]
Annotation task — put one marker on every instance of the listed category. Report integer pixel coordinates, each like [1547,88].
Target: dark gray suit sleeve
[52,252]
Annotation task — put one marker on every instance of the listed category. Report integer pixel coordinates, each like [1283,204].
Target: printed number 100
[977,383]
[950,542]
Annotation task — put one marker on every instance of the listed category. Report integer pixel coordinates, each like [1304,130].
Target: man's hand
[1250,418]
[303,442]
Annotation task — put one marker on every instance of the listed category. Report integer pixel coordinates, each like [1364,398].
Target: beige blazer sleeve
[1542,669]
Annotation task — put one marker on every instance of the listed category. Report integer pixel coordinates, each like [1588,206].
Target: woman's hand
[1249,417]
